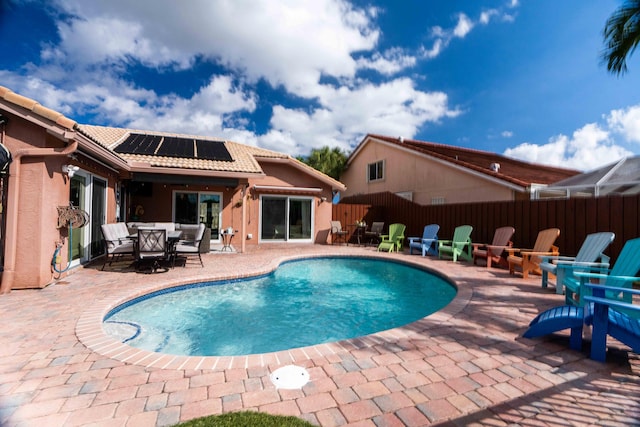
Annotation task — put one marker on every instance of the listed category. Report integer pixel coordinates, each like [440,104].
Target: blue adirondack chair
[622,275]
[592,307]
[459,246]
[587,259]
[612,317]
[428,243]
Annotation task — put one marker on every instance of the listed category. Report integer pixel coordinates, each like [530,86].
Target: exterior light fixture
[70,170]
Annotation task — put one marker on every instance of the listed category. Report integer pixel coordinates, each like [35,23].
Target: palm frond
[621,36]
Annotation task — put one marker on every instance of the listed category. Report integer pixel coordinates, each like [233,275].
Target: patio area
[465,365]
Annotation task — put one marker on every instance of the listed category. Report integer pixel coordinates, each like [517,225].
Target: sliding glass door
[285,218]
[89,193]
[199,207]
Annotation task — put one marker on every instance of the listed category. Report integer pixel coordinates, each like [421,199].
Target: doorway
[285,218]
[193,207]
[89,193]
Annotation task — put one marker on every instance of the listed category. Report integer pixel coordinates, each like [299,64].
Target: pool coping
[90,333]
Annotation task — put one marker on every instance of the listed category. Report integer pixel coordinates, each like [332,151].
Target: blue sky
[522,78]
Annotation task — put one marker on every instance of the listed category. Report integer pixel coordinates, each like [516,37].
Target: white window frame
[380,166]
[286,239]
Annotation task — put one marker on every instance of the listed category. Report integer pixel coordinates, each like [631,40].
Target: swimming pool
[302,303]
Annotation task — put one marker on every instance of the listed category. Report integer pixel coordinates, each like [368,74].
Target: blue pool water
[301,303]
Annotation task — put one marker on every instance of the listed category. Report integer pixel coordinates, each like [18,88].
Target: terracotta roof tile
[245,157]
[109,137]
[511,170]
[31,105]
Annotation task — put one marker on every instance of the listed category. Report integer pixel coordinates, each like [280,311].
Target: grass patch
[246,419]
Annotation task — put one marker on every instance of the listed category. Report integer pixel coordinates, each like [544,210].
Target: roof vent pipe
[495,167]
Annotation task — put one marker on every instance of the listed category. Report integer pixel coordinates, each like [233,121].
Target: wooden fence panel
[575,217]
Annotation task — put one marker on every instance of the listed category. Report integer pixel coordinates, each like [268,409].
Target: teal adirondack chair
[622,275]
[586,260]
[393,240]
[459,246]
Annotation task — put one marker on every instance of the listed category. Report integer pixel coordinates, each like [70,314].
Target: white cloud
[626,121]
[463,27]
[393,108]
[391,62]
[486,16]
[290,44]
[588,148]
[506,134]
[442,37]
[265,43]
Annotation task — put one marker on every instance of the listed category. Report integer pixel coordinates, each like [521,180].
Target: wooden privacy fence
[574,217]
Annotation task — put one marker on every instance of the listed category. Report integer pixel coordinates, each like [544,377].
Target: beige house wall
[36,187]
[425,178]
[285,175]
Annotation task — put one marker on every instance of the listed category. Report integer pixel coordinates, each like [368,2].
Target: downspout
[243,222]
[11,237]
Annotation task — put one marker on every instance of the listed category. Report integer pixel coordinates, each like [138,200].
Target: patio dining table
[173,237]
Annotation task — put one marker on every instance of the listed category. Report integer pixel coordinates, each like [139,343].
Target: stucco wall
[282,174]
[407,171]
[41,189]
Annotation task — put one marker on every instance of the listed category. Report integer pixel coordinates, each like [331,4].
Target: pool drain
[289,377]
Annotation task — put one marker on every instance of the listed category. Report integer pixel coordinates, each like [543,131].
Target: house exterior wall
[426,179]
[158,206]
[41,188]
[285,175]
[37,187]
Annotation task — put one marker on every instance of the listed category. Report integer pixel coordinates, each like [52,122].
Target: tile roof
[245,157]
[510,170]
[110,138]
[35,107]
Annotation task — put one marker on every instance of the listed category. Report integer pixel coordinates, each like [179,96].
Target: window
[376,171]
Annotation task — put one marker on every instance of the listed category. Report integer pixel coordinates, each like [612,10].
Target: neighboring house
[118,174]
[429,174]
[619,178]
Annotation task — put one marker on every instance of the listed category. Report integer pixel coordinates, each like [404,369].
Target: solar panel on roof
[177,147]
[139,144]
[213,150]
[172,146]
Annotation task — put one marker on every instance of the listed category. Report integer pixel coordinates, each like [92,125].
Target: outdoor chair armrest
[584,276]
[441,242]
[613,289]
[612,303]
[569,264]
[530,253]
[557,258]
[496,247]
[512,251]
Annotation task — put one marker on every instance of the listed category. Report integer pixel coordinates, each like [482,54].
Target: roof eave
[505,182]
[141,167]
[334,184]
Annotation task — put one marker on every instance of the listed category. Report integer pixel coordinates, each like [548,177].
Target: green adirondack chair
[393,240]
[459,246]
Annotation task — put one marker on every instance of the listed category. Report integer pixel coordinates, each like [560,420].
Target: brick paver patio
[466,365]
